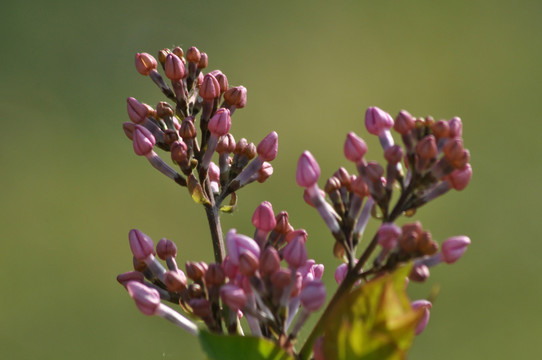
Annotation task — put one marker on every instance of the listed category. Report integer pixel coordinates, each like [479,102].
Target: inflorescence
[268,279]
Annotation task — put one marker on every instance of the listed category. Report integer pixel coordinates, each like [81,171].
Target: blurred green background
[72,186]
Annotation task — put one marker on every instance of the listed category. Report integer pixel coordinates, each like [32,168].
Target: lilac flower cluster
[267,279]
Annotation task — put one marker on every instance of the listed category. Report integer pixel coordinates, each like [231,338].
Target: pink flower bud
[236,244]
[222,81]
[233,296]
[427,147]
[313,295]
[404,122]
[318,270]
[388,235]
[270,261]
[128,128]
[460,178]
[179,151]
[166,249]
[354,147]
[174,67]
[146,299]
[268,147]
[248,263]
[193,55]
[236,96]
[264,218]
[210,88]
[425,305]
[393,154]
[220,123]
[266,170]
[453,248]
[419,273]
[145,63]
[140,244]
[214,172]
[175,281]
[456,127]
[308,171]
[230,269]
[215,275]
[203,61]
[300,233]
[124,278]
[143,140]
[137,112]
[377,120]
[340,273]
[295,253]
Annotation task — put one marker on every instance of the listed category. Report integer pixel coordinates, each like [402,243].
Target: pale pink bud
[354,147]
[146,299]
[137,112]
[166,249]
[124,278]
[143,140]
[313,295]
[210,88]
[308,171]
[174,67]
[456,127]
[318,270]
[388,235]
[295,253]
[214,172]
[140,244]
[233,296]
[419,273]
[460,178]
[236,244]
[268,147]
[145,63]
[377,120]
[220,123]
[425,305]
[266,170]
[264,218]
[340,272]
[453,248]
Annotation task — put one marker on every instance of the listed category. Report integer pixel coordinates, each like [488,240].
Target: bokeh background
[71,186]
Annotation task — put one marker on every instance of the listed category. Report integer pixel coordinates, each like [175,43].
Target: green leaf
[232,347]
[196,191]
[231,206]
[373,322]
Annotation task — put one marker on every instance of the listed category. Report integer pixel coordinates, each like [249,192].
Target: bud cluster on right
[431,161]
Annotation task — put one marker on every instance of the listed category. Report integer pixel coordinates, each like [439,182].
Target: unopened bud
[145,63]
